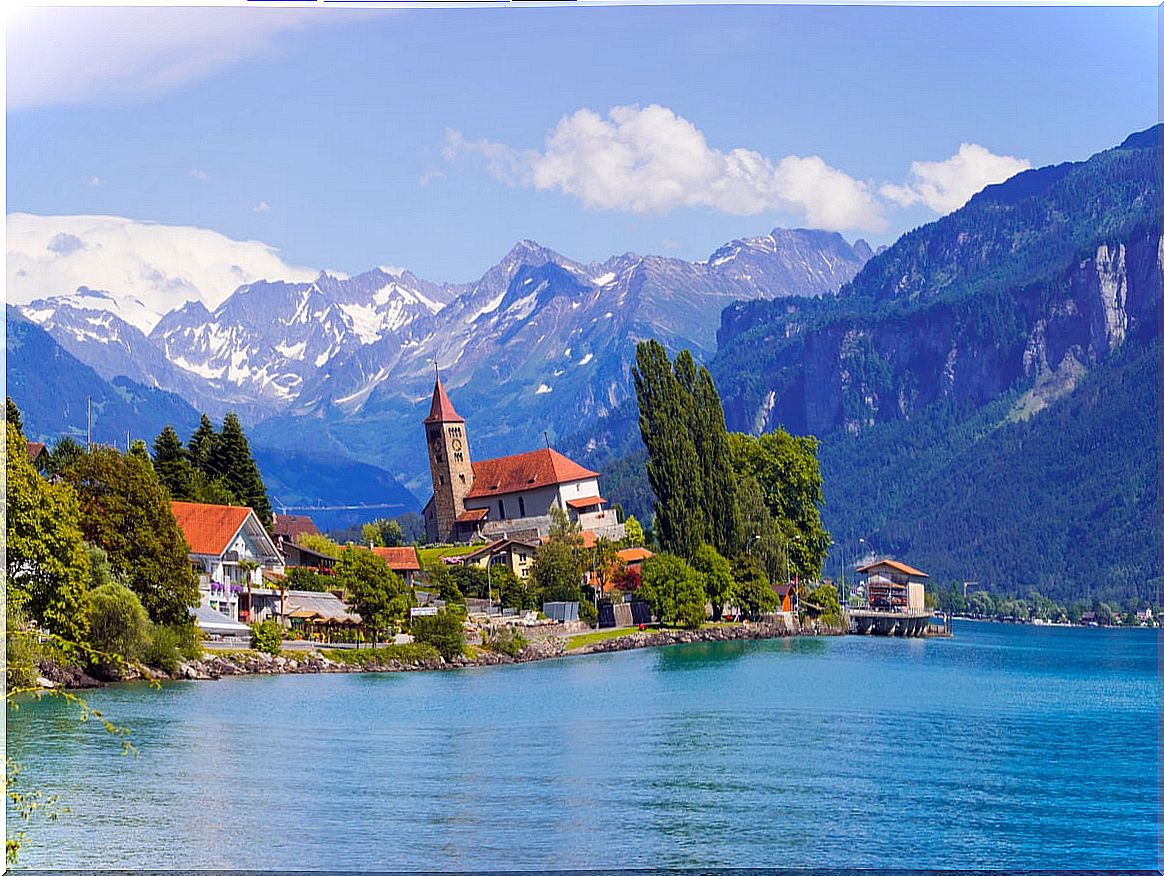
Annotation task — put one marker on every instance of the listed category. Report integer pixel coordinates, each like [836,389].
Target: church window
[441,478]
[462,478]
[459,457]
[501,508]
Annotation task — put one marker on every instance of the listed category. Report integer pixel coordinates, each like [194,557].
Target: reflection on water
[993,749]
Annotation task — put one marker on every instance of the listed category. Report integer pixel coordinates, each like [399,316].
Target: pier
[871,622]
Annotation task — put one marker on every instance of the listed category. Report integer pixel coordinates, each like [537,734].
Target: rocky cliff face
[857,372]
[1031,284]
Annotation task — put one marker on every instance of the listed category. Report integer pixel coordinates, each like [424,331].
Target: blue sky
[435,139]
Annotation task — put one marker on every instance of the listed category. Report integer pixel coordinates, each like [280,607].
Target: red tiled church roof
[442,410]
[400,559]
[291,525]
[524,471]
[209,528]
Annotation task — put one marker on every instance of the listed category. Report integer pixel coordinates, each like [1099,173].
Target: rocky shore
[231,663]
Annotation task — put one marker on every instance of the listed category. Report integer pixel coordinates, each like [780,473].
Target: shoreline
[212,666]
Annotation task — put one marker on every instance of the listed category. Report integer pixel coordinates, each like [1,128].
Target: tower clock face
[456,444]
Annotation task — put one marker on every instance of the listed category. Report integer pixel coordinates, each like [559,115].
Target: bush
[267,637]
[443,631]
[587,612]
[118,627]
[164,649]
[507,641]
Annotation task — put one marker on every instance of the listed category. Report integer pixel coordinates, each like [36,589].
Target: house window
[501,508]
[521,506]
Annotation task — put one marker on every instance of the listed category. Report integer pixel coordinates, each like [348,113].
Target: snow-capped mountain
[539,342]
[273,338]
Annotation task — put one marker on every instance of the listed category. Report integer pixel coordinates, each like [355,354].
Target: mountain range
[340,367]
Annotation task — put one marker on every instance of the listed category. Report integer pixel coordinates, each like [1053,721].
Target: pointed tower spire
[442,410]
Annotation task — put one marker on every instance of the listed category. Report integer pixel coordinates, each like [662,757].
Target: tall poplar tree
[719,478]
[673,466]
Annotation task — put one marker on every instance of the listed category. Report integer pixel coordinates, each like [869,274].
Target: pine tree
[202,447]
[172,463]
[232,460]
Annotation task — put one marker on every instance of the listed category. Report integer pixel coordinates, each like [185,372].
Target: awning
[585,502]
[216,623]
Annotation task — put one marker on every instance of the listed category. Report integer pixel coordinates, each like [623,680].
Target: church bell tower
[448,460]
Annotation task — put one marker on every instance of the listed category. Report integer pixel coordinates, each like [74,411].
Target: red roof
[35,449]
[400,559]
[472,515]
[524,471]
[209,528]
[291,525]
[586,502]
[442,410]
[634,555]
[895,566]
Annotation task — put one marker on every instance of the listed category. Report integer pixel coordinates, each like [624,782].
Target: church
[507,497]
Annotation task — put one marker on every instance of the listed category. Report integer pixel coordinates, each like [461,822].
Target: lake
[1006,746]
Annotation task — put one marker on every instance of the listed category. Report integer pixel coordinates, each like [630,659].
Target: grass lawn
[583,639]
[430,557]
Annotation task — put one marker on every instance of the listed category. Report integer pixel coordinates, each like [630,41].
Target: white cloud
[199,174]
[648,160]
[94,182]
[79,55]
[148,268]
[261,207]
[944,186]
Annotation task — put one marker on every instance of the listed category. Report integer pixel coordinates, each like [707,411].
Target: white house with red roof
[506,497]
[223,540]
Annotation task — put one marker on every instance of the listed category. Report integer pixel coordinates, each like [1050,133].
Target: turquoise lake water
[1003,747]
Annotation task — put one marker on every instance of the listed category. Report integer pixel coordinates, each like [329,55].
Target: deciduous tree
[674,590]
[47,570]
[126,511]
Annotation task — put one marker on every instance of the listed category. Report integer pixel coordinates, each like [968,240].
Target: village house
[401,560]
[508,497]
[229,550]
[516,555]
[894,586]
[289,527]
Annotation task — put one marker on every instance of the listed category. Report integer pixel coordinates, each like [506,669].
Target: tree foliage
[717,577]
[753,593]
[788,474]
[674,590]
[125,510]
[558,563]
[47,571]
[444,631]
[373,590]
[118,625]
